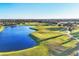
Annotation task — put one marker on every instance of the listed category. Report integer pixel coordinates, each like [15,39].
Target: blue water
[16,38]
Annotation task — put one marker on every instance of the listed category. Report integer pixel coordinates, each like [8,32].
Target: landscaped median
[40,50]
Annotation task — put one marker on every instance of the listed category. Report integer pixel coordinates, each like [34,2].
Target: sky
[38,10]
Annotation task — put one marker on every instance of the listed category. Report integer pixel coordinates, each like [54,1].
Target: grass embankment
[40,50]
[70,44]
[46,27]
[39,36]
[57,41]
[1,28]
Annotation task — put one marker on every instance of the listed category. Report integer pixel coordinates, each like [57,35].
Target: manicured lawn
[45,35]
[57,41]
[1,28]
[70,44]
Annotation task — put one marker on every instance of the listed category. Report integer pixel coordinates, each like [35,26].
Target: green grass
[40,50]
[1,28]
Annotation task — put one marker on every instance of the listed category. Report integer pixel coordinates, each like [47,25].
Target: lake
[16,38]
